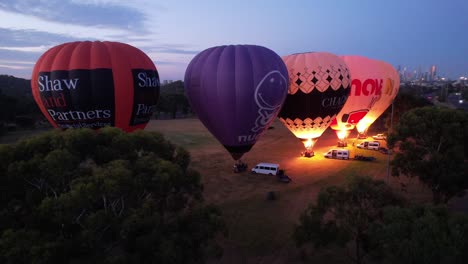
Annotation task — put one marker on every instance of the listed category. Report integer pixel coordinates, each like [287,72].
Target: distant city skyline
[412,34]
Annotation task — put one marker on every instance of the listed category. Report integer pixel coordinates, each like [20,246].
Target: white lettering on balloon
[266,110]
[55,95]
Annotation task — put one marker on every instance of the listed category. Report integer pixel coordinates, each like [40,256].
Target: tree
[403,102]
[8,106]
[432,146]
[82,196]
[17,104]
[422,234]
[173,100]
[343,215]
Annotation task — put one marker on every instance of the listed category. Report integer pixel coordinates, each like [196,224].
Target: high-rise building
[432,73]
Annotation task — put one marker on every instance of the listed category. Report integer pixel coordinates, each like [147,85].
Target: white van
[337,154]
[375,145]
[266,168]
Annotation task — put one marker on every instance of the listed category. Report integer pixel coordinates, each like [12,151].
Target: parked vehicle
[266,168]
[342,144]
[379,137]
[239,167]
[361,136]
[364,158]
[385,150]
[374,145]
[308,153]
[337,154]
[282,177]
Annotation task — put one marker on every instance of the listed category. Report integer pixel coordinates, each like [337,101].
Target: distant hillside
[176,87]
[15,87]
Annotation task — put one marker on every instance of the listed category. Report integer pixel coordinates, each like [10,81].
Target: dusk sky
[411,33]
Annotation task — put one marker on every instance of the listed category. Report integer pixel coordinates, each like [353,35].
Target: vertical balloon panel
[96,84]
[236,91]
[319,87]
[366,88]
[390,83]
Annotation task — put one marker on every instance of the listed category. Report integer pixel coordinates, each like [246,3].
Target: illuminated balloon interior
[342,134]
[363,126]
[309,142]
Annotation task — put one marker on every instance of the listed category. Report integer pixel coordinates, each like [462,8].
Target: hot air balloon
[319,85]
[366,86]
[236,91]
[388,89]
[96,84]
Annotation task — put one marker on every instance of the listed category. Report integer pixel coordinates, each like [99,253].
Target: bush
[82,196]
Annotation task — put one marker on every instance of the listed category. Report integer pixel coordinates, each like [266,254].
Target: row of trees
[18,108]
[367,218]
[173,101]
[21,111]
[372,223]
[82,196]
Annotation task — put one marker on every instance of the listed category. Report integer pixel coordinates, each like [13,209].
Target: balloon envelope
[236,91]
[366,87]
[96,84]
[390,84]
[319,85]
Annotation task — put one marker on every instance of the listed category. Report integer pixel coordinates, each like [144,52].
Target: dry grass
[260,230]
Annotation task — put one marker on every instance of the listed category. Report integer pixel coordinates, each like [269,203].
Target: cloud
[41,48]
[15,21]
[21,38]
[178,51]
[30,27]
[78,13]
[14,67]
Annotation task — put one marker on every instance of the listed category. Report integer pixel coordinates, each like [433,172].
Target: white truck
[337,154]
[266,168]
[374,145]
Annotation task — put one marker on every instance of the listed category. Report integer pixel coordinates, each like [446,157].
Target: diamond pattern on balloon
[318,120]
[298,81]
[289,121]
[321,77]
[336,84]
[308,121]
[298,121]
[292,87]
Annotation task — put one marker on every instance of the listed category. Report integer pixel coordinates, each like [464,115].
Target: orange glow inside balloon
[342,134]
[309,142]
[362,126]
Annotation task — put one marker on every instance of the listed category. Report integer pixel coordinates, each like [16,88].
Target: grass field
[259,229]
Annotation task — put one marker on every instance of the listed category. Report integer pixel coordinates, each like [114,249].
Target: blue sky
[412,33]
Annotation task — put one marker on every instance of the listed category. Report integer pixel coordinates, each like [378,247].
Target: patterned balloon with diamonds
[319,85]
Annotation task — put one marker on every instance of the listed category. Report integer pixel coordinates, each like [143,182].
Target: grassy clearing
[259,226]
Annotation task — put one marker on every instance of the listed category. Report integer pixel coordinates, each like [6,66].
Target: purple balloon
[237,92]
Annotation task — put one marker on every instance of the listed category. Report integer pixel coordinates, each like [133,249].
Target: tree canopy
[422,234]
[431,145]
[404,101]
[82,196]
[343,215]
